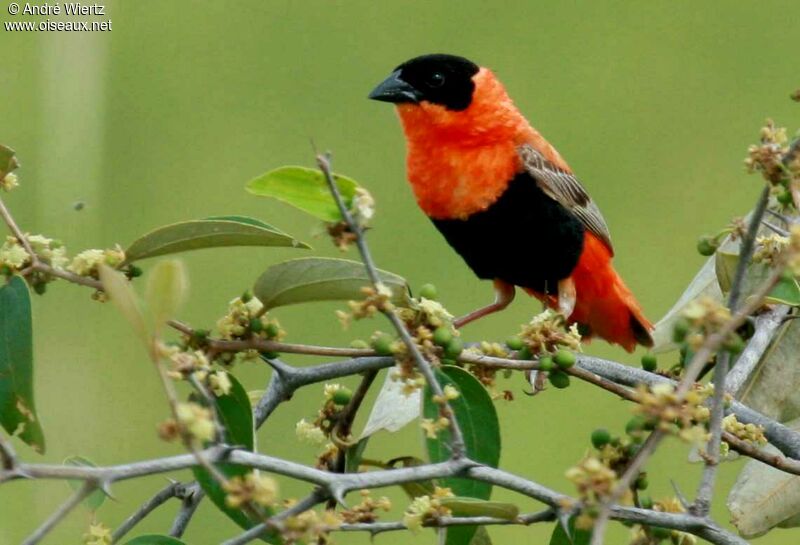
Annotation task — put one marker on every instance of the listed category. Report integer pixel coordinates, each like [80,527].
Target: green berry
[256,325]
[246,296]
[454,348]
[514,343]
[382,344]
[40,287]
[524,353]
[134,271]
[428,291]
[270,355]
[641,482]
[358,343]
[564,359]
[734,344]
[646,502]
[680,329]
[785,197]
[342,396]
[442,336]
[707,245]
[600,438]
[649,362]
[559,379]
[272,330]
[635,427]
[546,364]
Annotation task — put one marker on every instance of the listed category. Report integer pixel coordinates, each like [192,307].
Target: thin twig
[275,522]
[8,219]
[161,497]
[457,446]
[8,456]
[194,495]
[705,491]
[58,515]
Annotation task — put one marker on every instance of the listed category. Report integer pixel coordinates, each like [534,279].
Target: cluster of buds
[193,420]
[309,527]
[769,248]
[362,209]
[487,375]
[9,182]
[433,427]
[594,480]
[426,508]
[653,535]
[701,318]
[253,488]
[322,429]
[14,257]
[87,262]
[751,433]
[546,333]
[767,156]
[98,534]
[375,300]
[686,416]
[246,319]
[367,509]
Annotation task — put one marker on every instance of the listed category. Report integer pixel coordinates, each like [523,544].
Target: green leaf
[306,189]
[320,279]
[477,417]
[214,232]
[236,414]
[154,539]
[119,290]
[96,498]
[17,408]
[473,507]
[353,456]
[167,285]
[575,537]
[8,161]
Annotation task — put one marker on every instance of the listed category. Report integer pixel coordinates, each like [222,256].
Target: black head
[441,79]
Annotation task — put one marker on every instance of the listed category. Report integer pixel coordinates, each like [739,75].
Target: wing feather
[563,187]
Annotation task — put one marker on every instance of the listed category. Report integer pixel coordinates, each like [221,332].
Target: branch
[457,447]
[193,498]
[59,514]
[162,496]
[766,327]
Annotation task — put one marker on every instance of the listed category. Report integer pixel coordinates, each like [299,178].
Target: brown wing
[564,188]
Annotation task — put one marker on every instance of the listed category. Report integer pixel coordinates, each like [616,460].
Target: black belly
[525,238]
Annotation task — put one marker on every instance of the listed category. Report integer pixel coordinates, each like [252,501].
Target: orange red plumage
[491,183]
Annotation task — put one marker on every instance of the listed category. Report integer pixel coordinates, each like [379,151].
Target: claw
[566,297]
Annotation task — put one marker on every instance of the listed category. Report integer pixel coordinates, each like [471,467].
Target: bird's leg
[566,297]
[503,295]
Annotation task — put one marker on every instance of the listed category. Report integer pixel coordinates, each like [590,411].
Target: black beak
[395,90]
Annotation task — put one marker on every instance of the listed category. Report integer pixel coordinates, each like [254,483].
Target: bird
[505,199]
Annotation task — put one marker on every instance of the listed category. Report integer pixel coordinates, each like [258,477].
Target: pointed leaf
[153,539]
[320,279]
[214,232]
[119,290]
[764,497]
[167,286]
[8,161]
[17,408]
[477,417]
[306,189]
[393,408]
[575,536]
[96,498]
[236,415]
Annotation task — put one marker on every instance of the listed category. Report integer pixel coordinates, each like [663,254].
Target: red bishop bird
[505,199]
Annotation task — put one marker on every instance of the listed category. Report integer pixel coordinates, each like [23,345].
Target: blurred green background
[166,117]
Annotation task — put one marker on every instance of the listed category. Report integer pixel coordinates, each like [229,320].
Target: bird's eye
[436,79]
